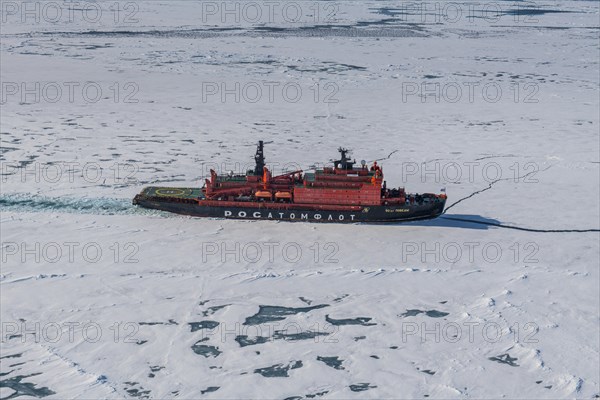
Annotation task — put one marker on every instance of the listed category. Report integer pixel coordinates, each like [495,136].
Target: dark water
[16,355]
[364,321]
[333,362]
[278,370]
[534,11]
[170,322]
[318,394]
[328,67]
[276,313]
[505,359]
[385,27]
[24,388]
[361,387]
[153,369]
[430,313]
[213,309]
[139,391]
[298,336]
[244,340]
[205,350]
[196,326]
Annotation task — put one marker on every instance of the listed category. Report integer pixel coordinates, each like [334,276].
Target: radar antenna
[344,161]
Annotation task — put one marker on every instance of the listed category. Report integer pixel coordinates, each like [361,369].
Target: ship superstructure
[343,192]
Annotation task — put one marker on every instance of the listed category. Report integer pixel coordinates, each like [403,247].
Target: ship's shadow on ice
[465,221]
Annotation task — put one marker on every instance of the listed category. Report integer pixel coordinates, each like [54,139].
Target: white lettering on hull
[290,216]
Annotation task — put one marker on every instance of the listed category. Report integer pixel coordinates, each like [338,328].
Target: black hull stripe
[381,214]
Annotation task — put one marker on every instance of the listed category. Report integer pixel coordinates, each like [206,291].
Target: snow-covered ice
[497,102]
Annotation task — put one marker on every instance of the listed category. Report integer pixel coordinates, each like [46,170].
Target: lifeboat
[263,194]
[283,195]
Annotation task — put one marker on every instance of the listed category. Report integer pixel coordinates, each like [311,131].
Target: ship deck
[180,193]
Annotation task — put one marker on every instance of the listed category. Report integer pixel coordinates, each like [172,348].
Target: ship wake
[82,205]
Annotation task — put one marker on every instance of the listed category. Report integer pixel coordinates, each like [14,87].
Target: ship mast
[259,158]
[344,162]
